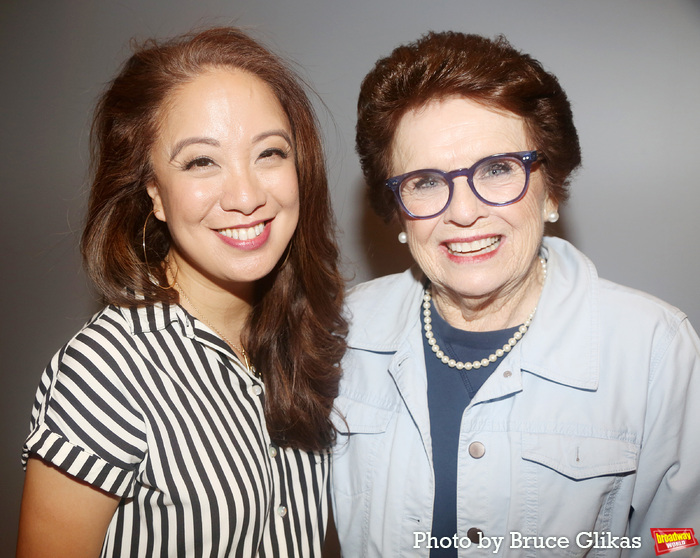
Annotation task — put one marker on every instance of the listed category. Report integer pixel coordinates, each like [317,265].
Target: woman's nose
[243,192]
[465,208]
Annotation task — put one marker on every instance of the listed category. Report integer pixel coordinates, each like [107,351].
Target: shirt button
[281,511]
[477,450]
[473,534]
[256,390]
[507,374]
[272,451]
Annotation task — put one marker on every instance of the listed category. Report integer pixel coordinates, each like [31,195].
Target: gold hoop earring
[143,238]
[145,257]
[170,269]
[286,257]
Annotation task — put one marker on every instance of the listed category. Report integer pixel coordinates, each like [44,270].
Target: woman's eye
[273,152]
[199,162]
[426,182]
[496,169]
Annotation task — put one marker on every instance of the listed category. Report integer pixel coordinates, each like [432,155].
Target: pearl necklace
[493,357]
[237,348]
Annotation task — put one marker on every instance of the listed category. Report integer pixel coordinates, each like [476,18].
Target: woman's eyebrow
[264,135]
[179,146]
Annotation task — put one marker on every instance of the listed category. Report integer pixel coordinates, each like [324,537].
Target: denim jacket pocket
[363,426]
[580,457]
[356,417]
[594,472]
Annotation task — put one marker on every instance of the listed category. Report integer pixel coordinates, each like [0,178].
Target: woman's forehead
[456,129]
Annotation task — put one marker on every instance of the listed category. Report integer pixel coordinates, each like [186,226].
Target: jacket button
[507,374]
[473,534]
[282,511]
[477,450]
[272,451]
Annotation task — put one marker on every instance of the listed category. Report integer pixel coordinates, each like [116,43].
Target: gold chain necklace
[238,348]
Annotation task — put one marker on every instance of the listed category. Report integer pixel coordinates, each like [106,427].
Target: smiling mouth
[243,234]
[481,246]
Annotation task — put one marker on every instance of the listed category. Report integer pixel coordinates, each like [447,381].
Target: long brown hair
[490,72]
[295,332]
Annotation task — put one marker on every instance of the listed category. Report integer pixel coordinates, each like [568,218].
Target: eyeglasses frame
[527,158]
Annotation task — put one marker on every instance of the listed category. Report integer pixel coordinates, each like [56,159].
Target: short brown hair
[295,332]
[490,72]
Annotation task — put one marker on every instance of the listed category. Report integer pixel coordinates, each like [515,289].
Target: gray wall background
[630,67]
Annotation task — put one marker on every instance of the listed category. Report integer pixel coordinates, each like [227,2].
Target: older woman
[191,416]
[500,398]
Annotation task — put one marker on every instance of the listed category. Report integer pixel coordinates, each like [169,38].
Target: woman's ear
[154,193]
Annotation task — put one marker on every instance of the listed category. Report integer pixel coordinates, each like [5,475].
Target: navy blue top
[449,392]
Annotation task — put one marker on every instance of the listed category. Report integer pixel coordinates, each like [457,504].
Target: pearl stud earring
[403,237]
[553,216]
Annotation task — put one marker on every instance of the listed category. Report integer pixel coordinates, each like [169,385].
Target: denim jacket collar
[394,326]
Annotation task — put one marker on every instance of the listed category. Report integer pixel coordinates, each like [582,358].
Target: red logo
[669,540]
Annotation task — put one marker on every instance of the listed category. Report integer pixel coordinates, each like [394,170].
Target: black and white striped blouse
[150,405]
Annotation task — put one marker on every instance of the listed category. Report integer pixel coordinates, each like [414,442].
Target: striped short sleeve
[83,420]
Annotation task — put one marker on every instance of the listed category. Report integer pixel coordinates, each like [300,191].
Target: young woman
[190,417]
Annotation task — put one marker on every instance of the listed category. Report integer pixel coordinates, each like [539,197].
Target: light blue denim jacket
[590,424]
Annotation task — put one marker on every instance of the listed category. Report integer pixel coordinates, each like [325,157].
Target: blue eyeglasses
[496,180]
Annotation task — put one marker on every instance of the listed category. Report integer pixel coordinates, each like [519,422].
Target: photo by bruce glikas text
[515,540]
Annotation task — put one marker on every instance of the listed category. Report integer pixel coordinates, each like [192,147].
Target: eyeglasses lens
[500,180]
[425,193]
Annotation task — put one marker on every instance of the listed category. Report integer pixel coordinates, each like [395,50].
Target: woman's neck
[224,309]
[508,307]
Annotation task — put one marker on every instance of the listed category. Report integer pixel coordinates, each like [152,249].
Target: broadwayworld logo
[669,540]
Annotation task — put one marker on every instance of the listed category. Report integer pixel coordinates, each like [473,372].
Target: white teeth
[475,246]
[244,234]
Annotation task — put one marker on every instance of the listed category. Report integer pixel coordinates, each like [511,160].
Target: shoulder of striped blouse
[86,417]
